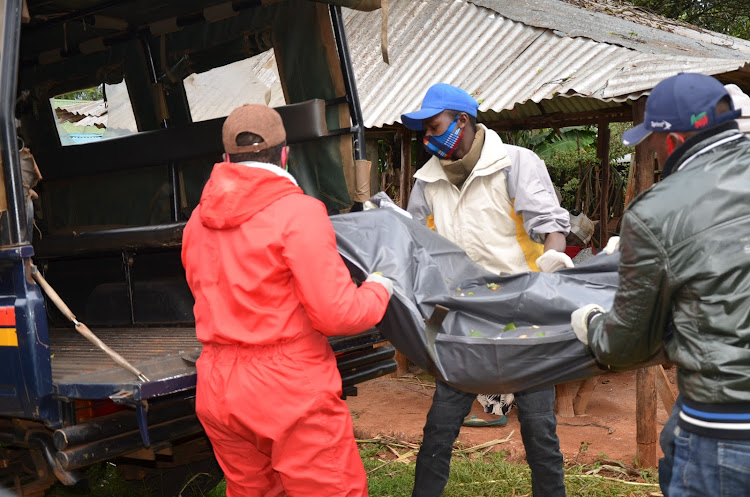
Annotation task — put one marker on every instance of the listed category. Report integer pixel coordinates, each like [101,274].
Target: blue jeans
[666,440]
[538,431]
[709,466]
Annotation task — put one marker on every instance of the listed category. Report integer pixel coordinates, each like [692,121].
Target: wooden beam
[404,183]
[641,175]
[564,393]
[640,178]
[404,188]
[603,137]
[621,113]
[371,152]
[666,393]
[25,17]
[645,417]
[402,364]
[583,396]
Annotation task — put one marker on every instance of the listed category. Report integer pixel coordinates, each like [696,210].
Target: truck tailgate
[82,371]
[167,357]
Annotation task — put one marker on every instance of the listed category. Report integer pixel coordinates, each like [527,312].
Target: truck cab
[111,120]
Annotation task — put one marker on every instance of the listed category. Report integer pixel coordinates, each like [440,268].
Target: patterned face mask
[444,146]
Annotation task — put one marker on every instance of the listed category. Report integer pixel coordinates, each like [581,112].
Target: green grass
[104,481]
[472,475]
[219,491]
[491,475]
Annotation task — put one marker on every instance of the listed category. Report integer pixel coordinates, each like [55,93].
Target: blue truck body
[107,238]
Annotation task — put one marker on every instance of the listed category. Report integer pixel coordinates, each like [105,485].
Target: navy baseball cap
[440,97]
[685,102]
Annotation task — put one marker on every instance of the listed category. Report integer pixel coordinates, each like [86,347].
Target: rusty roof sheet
[507,53]
[83,113]
[617,23]
[518,58]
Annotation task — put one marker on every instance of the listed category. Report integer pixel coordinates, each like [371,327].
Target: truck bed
[165,355]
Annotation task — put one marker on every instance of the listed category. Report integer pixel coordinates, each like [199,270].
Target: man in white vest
[497,202]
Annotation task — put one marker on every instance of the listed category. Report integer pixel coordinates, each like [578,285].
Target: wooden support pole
[404,189]
[25,16]
[564,393]
[641,174]
[645,417]
[666,393]
[603,138]
[404,183]
[640,178]
[581,402]
[371,151]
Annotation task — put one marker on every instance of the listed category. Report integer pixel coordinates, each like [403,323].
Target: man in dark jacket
[685,284]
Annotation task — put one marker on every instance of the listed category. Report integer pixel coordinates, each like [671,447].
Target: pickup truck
[110,122]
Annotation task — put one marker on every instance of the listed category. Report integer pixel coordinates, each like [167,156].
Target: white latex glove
[552,260]
[580,320]
[612,245]
[386,282]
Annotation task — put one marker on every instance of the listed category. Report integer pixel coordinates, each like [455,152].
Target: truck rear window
[96,113]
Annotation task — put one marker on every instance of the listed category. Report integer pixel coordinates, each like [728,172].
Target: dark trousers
[538,430]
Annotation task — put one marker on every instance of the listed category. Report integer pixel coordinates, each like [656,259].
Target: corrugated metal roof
[85,108]
[506,53]
[516,57]
[617,23]
[116,114]
[81,113]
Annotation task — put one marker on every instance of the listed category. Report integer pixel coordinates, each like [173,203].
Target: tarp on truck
[473,349]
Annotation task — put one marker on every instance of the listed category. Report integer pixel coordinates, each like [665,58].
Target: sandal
[474,420]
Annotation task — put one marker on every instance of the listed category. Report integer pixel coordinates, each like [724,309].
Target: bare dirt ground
[397,406]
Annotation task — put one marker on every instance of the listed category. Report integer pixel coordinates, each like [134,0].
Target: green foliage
[95,93]
[730,17]
[385,155]
[571,158]
[219,490]
[549,144]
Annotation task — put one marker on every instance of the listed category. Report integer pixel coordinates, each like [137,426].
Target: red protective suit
[260,258]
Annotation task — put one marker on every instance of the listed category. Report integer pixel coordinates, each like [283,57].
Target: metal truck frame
[106,230]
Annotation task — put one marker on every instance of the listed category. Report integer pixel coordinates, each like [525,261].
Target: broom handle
[82,328]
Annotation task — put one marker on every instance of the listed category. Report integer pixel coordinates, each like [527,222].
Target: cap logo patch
[666,125]
[700,120]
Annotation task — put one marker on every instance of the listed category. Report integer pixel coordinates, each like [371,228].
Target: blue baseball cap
[440,97]
[685,102]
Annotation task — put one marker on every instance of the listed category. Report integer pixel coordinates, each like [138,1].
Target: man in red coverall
[269,286]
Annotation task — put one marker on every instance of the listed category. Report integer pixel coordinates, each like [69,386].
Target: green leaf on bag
[509,327]
[475,334]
